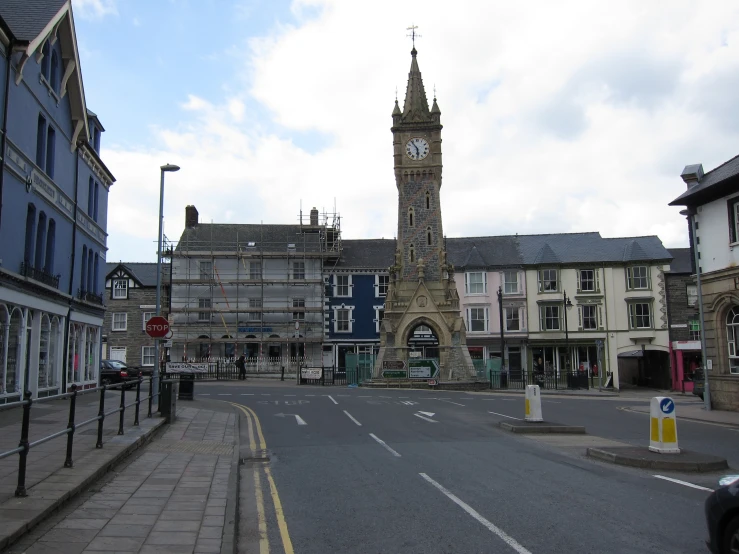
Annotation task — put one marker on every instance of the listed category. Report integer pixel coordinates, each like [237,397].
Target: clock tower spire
[422,305]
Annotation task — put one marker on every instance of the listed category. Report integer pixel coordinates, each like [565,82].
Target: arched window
[95,274]
[50,244]
[428,200]
[43,352]
[54,73]
[410,217]
[90,286]
[732,334]
[15,335]
[30,228]
[45,60]
[83,271]
[40,241]
[412,254]
[428,236]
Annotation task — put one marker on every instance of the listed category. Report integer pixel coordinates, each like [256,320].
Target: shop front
[685,359]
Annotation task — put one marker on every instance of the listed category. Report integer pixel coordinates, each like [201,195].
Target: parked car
[722,516]
[699,383]
[115,371]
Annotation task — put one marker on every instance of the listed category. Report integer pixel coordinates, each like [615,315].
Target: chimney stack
[692,175]
[314,216]
[191,217]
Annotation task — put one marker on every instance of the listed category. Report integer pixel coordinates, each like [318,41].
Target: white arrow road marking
[350,417]
[382,442]
[685,483]
[510,541]
[332,399]
[298,419]
[426,418]
[429,414]
[510,417]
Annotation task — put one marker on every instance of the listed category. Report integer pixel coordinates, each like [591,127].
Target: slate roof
[269,238]
[494,251]
[367,253]
[144,273]
[682,261]
[716,183]
[27,18]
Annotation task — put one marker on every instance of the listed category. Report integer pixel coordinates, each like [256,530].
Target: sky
[558,117]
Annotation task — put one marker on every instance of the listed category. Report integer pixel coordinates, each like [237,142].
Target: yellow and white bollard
[663,426]
[533,403]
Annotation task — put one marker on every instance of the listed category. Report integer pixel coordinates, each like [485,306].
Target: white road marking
[247,394]
[685,483]
[365,397]
[224,394]
[300,420]
[388,397]
[402,397]
[350,417]
[204,394]
[426,418]
[450,402]
[427,414]
[332,399]
[343,395]
[552,401]
[291,395]
[310,395]
[408,402]
[510,399]
[510,541]
[382,442]
[510,417]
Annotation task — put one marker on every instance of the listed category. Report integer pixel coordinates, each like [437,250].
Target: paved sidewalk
[170,499]
[697,412]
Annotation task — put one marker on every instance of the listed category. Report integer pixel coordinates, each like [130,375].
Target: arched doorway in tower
[423,343]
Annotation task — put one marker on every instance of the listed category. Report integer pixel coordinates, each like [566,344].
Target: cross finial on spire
[413,34]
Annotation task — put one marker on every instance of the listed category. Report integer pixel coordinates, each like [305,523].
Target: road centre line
[332,399]
[510,541]
[510,417]
[365,397]
[350,417]
[204,394]
[343,395]
[247,394]
[310,395]
[382,442]
[224,394]
[450,402]
[291,395]
[684,483]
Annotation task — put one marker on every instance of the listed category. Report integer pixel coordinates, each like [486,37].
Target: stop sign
[157,327]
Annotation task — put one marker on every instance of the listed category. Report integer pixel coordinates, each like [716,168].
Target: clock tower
[422,306]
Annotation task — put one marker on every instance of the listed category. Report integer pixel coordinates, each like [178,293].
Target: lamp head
[170,167]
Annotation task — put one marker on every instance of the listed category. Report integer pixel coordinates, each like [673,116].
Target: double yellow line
[252,422]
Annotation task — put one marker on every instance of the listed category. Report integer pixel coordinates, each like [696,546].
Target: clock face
[417,148]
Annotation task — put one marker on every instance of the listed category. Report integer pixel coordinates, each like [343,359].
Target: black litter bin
[187,387]
[168,400]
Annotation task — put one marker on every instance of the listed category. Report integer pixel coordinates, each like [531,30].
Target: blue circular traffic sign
[667,405]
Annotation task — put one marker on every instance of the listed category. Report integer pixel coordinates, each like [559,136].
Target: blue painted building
[53,206]
[355,299]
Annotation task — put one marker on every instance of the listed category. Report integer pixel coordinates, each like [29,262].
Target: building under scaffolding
[252,289]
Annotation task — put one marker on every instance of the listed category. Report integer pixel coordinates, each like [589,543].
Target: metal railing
[90,296]
[40,275]
[25,446]
[518,380]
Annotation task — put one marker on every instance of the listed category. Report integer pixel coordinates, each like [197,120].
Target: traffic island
[541,427]
[642,457]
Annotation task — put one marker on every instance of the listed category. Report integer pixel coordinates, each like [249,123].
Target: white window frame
[512,310]
[486,321]
[205,268]
[381,282]
[504,278]
[468,283]
[379,315]
[255,271]
[204,316]
[296,271]
[732,334]
[633,316]
[146,316]
[299,303]
[118,349]
[152,355]
[543,317]
[120,292]
[631,279]
[113,326]
[350,321]
[595,280]
[541,280]
[338,286]
[691,291]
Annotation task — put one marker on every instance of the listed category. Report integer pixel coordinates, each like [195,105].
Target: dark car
[722,517]
[115,371]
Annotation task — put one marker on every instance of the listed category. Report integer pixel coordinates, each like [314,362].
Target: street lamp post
[566,305]
[690,214]
[155,379]
[502,330]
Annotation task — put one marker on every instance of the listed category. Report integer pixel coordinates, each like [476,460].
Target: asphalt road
[385,471]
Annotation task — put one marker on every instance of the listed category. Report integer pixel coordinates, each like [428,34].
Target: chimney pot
[191,217]
[692,175]
[314,216]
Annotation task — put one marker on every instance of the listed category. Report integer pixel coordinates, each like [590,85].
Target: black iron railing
[25,446]
[90,296]
[40,275]
[518,379]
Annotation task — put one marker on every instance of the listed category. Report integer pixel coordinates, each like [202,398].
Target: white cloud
[94,9]
[558,117]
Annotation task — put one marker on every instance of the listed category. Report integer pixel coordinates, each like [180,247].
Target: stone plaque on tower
[422,305]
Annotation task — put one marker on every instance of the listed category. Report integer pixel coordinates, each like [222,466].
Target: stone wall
[679,313]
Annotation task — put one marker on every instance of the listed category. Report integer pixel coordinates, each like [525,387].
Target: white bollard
[533,403]
[663,426]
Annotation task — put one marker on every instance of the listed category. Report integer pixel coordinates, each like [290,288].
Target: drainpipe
[5,123]
[65,358]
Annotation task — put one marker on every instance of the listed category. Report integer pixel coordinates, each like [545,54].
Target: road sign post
[599,344]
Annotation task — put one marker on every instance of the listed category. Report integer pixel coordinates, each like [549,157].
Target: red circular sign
[157,327]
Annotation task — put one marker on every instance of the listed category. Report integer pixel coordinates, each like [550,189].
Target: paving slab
[642,457]
[541,427]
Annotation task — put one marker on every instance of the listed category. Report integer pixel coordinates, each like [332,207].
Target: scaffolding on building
[252,289]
